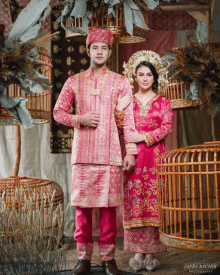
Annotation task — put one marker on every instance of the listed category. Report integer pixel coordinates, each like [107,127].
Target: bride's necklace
[144,106]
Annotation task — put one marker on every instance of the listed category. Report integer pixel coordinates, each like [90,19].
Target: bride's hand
[123,102]
[134,137]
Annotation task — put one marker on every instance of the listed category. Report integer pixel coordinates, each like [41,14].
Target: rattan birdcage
[189,197]
[100,19]
[177,94]
[46,198]
[38,105]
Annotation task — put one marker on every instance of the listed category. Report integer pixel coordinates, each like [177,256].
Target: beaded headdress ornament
[149,56]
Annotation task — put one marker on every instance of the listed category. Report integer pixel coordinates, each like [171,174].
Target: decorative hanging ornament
[124,19]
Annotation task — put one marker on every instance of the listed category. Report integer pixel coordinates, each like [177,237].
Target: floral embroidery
[137,170]
[152,170]
[153,123]
[157,151]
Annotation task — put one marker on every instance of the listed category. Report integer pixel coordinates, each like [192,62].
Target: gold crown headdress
[149,56]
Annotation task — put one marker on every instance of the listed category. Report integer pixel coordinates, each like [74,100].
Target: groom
[97,173]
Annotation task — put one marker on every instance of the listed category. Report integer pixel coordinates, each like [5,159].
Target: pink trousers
[83,233]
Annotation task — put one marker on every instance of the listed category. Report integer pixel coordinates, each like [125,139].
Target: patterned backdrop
[68,58]
[167,21]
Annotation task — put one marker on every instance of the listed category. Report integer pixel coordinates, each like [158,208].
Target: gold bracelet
[119,115]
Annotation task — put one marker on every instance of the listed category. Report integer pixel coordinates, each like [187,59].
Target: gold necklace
[145,108]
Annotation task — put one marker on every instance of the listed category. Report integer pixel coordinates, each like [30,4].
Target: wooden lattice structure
[100,19]
[189,197]
[38,105]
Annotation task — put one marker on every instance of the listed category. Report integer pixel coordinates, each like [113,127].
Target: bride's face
[144,78]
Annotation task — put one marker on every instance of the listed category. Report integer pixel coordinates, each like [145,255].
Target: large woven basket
[102,20]
[189,197]
[38,105]
[46,197]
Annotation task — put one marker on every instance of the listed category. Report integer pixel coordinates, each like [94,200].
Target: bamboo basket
[189,197]
[38,105]
[102,20]
[46,196]
[176,92]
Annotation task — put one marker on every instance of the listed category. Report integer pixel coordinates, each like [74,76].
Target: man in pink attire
[96,160]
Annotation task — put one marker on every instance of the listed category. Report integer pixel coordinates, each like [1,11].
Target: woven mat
[174,261]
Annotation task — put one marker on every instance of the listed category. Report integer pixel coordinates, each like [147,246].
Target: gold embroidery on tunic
[95,91]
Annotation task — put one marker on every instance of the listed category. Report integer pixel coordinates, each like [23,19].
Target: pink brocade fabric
[107,252]
[96,185]
[84,251]
[144,240]
[140,188]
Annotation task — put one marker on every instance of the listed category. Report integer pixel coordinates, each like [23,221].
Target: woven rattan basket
[46,197]
[189,197]
[102,20]
[38,105]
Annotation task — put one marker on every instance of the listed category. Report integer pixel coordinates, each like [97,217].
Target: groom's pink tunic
[96,153]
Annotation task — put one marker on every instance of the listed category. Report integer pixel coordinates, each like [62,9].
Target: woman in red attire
[153,122]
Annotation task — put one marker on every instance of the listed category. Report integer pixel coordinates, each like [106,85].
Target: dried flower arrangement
[30,240]
[19,60]
[199,70]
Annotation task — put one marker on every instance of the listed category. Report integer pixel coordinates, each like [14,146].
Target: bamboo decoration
[102,20]
[189,197]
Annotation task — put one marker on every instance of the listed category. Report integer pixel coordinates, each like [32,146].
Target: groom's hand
[129,163]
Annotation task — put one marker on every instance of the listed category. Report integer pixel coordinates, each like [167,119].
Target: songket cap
[99,35]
